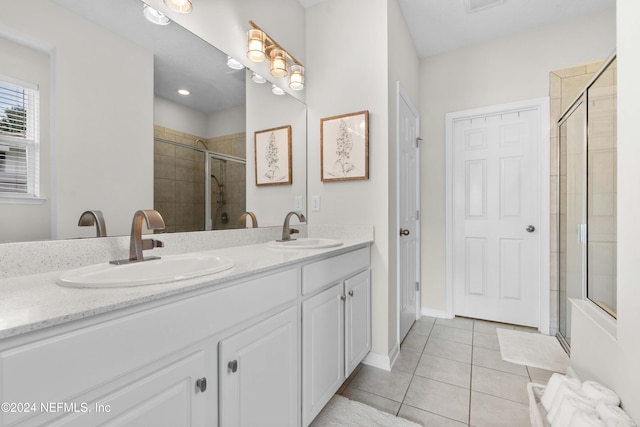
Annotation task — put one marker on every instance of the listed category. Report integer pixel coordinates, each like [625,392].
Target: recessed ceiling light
[257,78]
[154,16]
[277,90]
[184,92]
[234,64]
[478,5]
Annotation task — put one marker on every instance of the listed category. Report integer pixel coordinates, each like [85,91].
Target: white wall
[347,72]
[594,354]
[178,117]
[271,203]
[102,116]
[226,122]
[500,71]
[20,222]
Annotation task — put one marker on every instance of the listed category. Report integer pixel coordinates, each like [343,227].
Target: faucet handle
[293,231]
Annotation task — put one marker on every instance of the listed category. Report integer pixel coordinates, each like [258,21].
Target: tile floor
[450,374]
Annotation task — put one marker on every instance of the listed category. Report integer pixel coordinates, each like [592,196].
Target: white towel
[599,393]
[614,416]
[554,383]
[583,419]
[564,391]
[569,407]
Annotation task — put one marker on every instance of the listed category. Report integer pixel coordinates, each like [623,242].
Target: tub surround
[31,300]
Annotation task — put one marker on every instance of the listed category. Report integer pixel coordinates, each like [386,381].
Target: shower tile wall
[564,85]
[234,179]
[179,180]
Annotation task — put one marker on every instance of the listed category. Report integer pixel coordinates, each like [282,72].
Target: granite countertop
[33,302]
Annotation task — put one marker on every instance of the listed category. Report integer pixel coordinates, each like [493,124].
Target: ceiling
[181,60]
[439,26]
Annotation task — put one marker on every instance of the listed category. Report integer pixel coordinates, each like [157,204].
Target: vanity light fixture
[257,78]
[261,46]
[154,16]
[277,90]
[234,64]
[184,92]
[180,6]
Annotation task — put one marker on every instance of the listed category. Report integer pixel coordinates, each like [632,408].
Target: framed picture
[344,147]
[273,156]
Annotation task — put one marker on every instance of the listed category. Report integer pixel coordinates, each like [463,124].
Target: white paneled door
[496,241]
[408,215]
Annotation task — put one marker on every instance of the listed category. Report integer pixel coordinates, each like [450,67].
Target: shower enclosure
[587,199]
[198,189]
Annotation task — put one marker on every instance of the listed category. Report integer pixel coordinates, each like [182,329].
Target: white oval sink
[305,243]
[169,268]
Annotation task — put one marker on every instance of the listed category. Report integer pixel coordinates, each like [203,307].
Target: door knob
[233,365]
[201,384]
[531,229]
[404,232]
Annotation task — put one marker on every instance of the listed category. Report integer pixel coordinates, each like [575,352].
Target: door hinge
[418,141]
[417,286]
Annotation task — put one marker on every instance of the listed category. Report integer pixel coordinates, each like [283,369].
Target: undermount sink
[305,243]
[167,269]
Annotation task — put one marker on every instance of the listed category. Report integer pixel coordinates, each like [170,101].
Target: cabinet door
[357,319]
[322,350]
[167,397]
[259,374]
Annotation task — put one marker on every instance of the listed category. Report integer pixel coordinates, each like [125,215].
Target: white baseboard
[442,314]
[382,361]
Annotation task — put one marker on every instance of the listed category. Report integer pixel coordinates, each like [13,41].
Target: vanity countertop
[33,302]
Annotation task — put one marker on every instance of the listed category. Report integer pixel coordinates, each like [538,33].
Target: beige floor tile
[492,359]
[538,375]
[445,370]
[490,411]
[407,361]
[487,327]
[381,403]
[439,398]
[486,340]
[457,322]
[448,350]
[422,328]
[447,333]
[427,319]
[427,419]
[414,342]
[500,384]
[392,385]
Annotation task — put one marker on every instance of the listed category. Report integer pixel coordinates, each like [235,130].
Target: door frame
[402,95]
[542,105]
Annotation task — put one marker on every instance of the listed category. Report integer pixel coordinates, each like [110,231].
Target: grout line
[473,334]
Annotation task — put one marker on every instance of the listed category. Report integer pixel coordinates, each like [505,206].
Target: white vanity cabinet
[336,326]
[259,374]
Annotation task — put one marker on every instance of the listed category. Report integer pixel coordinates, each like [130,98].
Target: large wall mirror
[137,142]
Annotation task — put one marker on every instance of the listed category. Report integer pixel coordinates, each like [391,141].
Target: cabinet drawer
[69,364]
[331,270]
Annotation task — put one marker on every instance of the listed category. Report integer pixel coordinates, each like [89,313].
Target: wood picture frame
[344,147]
[272,150]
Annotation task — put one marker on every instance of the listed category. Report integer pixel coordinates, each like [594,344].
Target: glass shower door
[572,207]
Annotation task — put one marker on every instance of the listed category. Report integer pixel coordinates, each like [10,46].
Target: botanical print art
[345,147]
[273,156]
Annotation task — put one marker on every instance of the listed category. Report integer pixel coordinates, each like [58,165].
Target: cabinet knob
[201,384]
[351,293]
[343,297]
[233,366]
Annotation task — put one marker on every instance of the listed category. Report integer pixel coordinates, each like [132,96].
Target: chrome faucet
[254,220]
[89,218]
[288,231]
[137,245]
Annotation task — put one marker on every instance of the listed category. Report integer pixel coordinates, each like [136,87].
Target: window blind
[19,138]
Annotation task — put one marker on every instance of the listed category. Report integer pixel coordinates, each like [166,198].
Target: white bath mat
[341,411]
[537,350]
